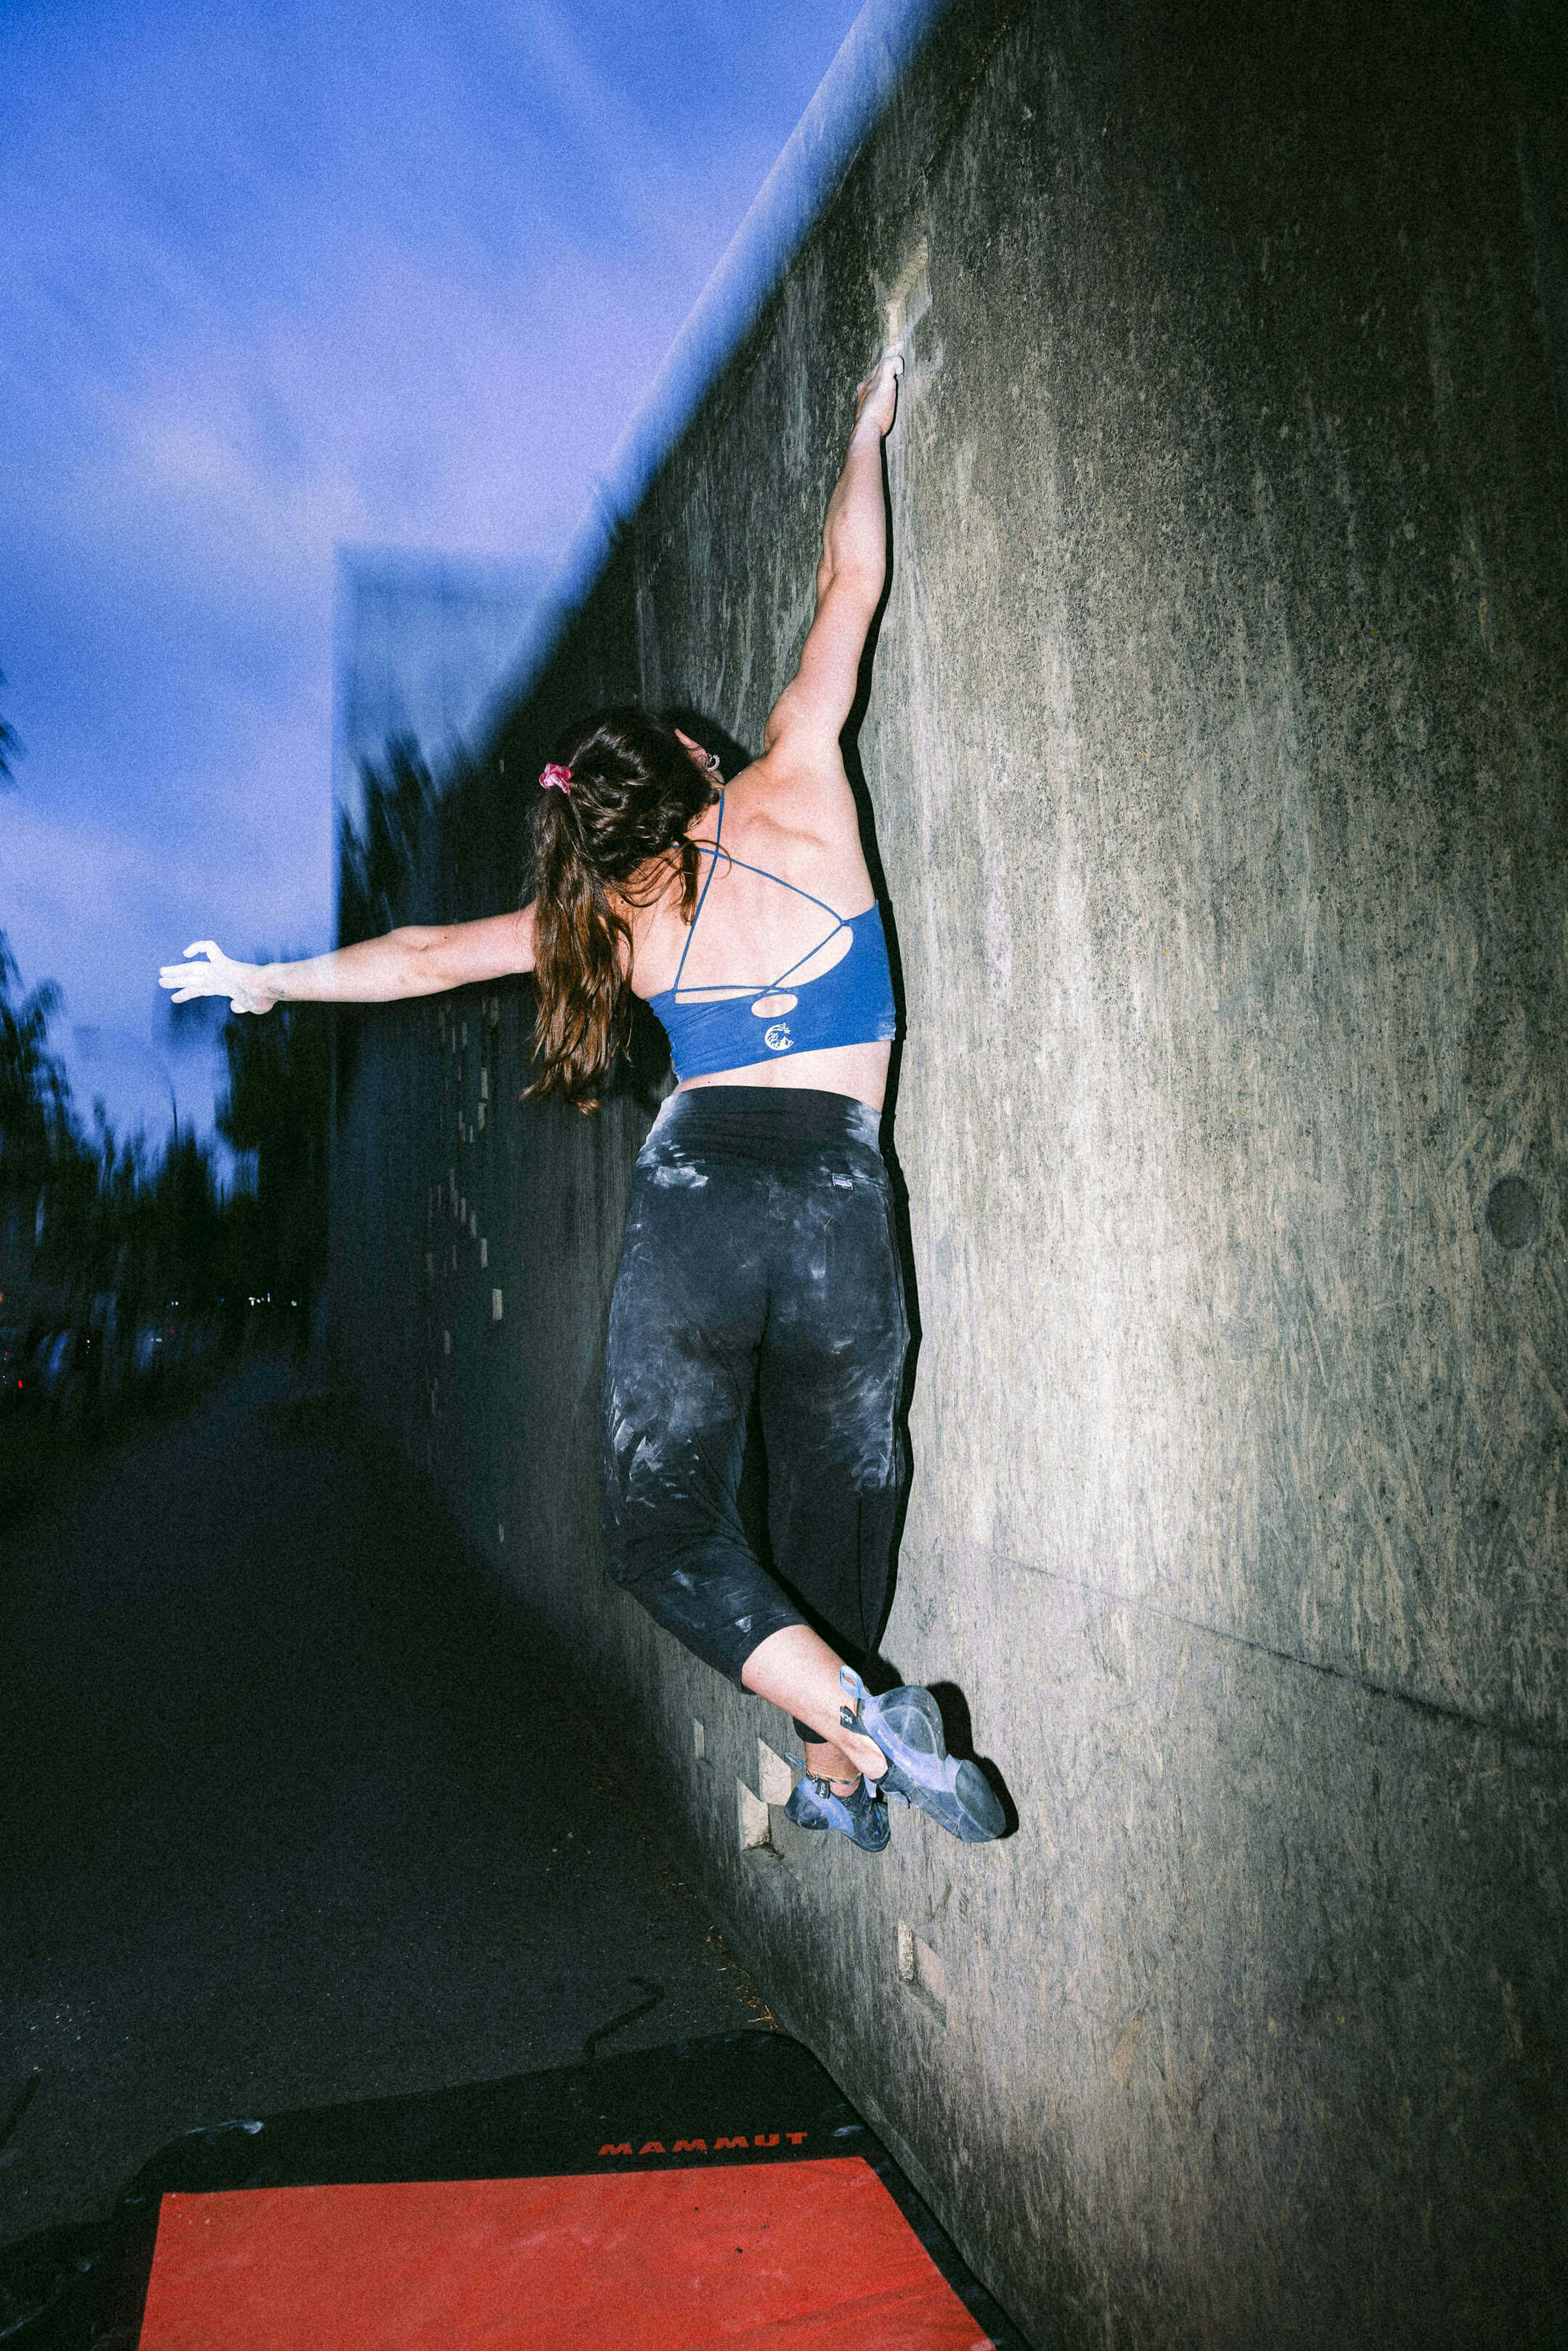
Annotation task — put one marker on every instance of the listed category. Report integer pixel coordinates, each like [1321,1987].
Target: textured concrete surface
[294,1813]
[1214,768]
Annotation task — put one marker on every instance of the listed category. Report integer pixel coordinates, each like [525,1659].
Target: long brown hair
[611,842]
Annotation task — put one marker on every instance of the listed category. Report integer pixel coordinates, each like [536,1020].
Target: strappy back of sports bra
[851,1004]
[744,987]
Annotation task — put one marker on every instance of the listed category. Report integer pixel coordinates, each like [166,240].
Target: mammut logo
[777,1039]
[700,2145]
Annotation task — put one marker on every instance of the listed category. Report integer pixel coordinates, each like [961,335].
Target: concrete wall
[1215,763]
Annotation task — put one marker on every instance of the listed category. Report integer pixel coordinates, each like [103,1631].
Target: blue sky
[275,279]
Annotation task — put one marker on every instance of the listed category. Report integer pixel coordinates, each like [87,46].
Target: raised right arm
[814,706]
[420,959]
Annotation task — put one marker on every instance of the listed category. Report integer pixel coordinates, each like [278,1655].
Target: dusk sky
[274,281]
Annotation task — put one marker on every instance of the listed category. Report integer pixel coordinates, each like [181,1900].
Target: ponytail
[603,844]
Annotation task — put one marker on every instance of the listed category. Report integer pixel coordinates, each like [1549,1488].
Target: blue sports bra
[850,1005]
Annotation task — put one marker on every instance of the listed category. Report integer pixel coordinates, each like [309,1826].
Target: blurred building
[421,643]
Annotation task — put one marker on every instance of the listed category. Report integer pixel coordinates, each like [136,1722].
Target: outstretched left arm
[420,959]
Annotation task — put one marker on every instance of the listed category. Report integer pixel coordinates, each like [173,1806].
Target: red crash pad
[807,2256]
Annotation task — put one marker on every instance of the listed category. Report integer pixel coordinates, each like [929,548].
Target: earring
[713,763]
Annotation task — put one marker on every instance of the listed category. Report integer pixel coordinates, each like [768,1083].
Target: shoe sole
[967,1808]
[955,1792]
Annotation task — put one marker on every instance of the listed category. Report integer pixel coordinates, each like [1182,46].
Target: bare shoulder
[798,789]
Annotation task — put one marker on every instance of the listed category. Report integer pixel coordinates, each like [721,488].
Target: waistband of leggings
[758,1120]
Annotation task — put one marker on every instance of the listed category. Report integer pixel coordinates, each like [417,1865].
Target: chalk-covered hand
[242,983]
[876,399]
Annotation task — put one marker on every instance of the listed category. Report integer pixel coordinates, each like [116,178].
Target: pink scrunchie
[557,779]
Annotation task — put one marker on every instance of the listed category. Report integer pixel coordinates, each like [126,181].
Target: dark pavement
[294,1811]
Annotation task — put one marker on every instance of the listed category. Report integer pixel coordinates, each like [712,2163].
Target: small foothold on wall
[699,1740]
[500,1535]
[495,1306]
[755,1829]
[484,1255]
[1514,1212]
[775,1780]
[921,1973]
[447,1343]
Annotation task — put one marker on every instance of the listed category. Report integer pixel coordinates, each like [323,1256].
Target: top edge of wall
[882,44]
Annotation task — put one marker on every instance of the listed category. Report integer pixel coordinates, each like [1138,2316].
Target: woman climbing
[759,1260]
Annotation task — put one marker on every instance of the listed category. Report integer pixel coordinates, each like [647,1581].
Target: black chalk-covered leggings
[759,1288]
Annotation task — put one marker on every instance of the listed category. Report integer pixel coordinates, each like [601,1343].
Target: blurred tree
[148,1234]
[187,1228]
[377,862]
[276,1112]
[10,746]
[36,1124]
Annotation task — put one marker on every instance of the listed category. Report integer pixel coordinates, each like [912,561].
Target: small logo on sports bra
[777,1039]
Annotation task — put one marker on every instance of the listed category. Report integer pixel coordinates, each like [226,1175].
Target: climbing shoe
[862,1817]
[907,1726]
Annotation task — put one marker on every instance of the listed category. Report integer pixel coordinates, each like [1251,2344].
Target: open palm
[216,974]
